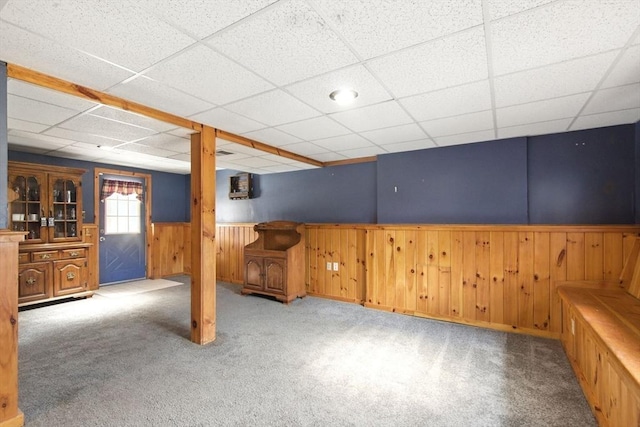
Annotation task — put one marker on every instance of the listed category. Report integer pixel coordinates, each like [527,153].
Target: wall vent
[222,153]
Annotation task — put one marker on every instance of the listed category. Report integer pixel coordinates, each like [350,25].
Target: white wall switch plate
[335,266]
[329,266]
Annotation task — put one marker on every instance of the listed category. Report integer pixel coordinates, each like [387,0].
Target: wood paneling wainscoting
[498,277]
[495,276]
[172,249]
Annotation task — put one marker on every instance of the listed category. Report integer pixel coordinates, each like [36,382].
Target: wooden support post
[10,415]
[203,230]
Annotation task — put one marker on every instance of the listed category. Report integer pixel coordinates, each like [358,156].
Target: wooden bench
[601,337]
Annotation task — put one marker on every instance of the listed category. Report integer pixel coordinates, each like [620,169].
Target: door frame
[147,210]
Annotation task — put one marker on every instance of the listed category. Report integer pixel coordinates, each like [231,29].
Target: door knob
[102,239]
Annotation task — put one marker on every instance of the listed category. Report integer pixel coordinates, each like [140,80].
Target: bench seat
[601,336]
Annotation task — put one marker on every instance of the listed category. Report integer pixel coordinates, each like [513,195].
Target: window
[122,214]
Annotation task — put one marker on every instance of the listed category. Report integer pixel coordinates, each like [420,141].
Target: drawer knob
[45,256]
[74,254]
[71,276]
[31,281]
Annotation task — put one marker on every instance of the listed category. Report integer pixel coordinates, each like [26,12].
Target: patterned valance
[111,186]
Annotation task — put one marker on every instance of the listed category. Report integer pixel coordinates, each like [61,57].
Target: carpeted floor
[128,362]
[135,287]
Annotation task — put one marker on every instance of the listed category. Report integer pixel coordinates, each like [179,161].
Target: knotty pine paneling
[500,277]
[493,276]
[172,249]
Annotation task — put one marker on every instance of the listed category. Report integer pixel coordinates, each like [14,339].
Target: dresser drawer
[45,256]
[73,253]
[23,258]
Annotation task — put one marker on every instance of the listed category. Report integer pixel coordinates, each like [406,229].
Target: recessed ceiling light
[343,96]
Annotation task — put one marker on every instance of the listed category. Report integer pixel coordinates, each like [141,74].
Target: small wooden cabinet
[274,263]
[46,204]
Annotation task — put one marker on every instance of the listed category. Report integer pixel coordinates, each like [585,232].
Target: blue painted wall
[583,177]
[473,183]
[339,194]
[167,193]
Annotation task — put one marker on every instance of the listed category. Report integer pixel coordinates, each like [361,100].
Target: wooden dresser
[275,263]
[46,204]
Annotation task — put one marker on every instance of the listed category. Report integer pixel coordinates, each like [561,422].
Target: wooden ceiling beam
[266,148]
[30,76]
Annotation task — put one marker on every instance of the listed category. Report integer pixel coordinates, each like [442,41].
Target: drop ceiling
[428,73]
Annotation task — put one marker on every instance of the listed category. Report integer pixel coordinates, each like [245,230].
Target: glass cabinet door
[64,209]
[27,206]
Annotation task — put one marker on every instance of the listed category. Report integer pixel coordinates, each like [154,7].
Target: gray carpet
[128,362]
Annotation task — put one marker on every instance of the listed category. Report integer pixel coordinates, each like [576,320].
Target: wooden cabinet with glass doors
[46,203]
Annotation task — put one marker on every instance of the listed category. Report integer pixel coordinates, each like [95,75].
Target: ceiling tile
[617,98]
[48,96]
[47,114]
[33,140]
[395,134]
[104,127]
[316,128]
[167,142]
[542,128]
[273,108]
[329,157]
[23,125]
[541,111]
[466,123]
[229,121]
[561,31]
[363,152]
[83,137]
[501,8]
[183,157]
[131,118]
[278,159]
[258,162]
[305,148]
[182,132]
[154,94]
[607,119]
[46,56]
[272,136]
[315,91]
[143,149]
[287,43]
[465,138]
[381,26]
[373,117]
[208,75]
[130,37]
[450,61]
[627,70]
[409,146]
[344,142]
[76,153]
[203,17]
[552,81]
[282,168]
[449,102]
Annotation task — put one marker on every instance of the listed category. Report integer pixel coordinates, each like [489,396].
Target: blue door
[122,231]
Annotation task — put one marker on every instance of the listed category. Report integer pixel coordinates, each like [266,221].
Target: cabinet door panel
[275,275]
[69,277]
[32,282]
[253,273]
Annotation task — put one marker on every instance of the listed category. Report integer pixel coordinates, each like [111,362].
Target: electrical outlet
[329,266]
[335,266]
[573,327]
